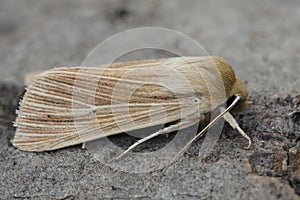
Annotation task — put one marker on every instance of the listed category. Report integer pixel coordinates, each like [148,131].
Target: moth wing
[68,106]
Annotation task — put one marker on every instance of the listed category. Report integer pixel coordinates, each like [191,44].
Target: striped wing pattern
[68,106]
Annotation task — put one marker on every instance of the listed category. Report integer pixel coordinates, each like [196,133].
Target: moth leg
[232,122]
[180,125]
[181,152]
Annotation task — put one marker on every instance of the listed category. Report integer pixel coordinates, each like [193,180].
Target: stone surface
[259,38]
[294,155]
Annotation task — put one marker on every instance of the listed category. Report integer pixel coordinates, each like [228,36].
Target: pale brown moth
[46,121]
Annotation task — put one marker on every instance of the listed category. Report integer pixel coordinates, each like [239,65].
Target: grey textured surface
[259,38]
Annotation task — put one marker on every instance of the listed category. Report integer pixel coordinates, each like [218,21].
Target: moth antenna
[166,130]
[201,133]
[232,122]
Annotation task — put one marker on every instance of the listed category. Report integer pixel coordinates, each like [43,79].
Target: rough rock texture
[259,38]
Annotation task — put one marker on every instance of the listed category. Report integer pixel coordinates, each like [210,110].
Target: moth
[72,105]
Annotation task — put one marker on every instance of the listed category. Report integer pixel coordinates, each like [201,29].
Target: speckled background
[259,38]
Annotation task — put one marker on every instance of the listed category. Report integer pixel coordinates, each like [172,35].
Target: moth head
[240,89]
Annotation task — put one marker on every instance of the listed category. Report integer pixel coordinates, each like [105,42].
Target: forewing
[68,106]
